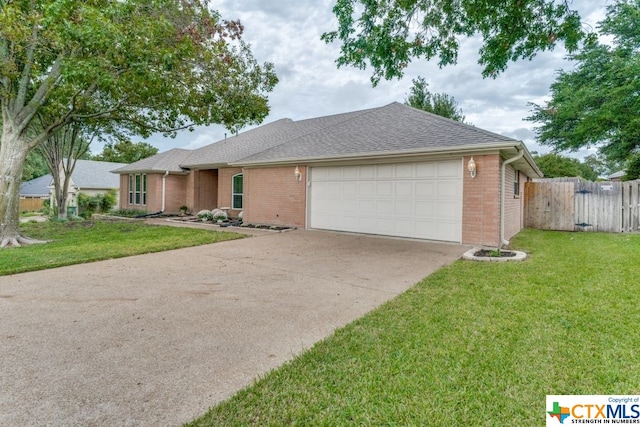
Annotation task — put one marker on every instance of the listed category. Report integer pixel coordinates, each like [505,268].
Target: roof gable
[95,174]
[161,162]
[37,187]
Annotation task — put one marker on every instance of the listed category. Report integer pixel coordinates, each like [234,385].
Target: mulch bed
[494,254]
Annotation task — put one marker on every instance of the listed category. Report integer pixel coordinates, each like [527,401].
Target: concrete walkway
[157,339]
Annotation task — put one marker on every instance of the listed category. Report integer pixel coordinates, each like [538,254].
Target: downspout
[503,195]
[164,186]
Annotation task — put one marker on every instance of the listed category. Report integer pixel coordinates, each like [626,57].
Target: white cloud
[288,34]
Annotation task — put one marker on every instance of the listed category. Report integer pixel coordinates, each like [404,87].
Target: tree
[554,165]
[125,151]
[387,35]
[597,103]
[35,166]
[129,67]
[61,152]
[437,103]
[632,170]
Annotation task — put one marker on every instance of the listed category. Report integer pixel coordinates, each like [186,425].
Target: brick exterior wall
[274,196]
[481,202]
[201,190]
[175,193]
[224,189]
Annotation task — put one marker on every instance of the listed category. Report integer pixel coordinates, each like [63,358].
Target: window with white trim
[237,184]
[138,189]
[516,184]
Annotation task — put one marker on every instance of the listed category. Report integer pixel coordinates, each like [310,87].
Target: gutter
[164,187]
[502,192]
[480,148]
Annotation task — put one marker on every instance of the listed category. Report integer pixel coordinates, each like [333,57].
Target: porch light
[297,174]
[472,167]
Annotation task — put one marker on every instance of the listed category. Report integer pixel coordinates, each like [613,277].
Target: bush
[100,203]
[128,213]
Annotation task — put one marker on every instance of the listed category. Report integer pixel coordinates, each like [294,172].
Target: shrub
[101,203]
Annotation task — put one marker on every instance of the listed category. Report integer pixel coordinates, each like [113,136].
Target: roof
[37,187]
[87,174]
[394,129]
[162,162]
[618,175]
[95,174]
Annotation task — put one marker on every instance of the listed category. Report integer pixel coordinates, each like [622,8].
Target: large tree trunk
[13,153]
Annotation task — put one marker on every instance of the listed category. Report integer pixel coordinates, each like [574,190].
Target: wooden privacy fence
[31,204]
[583,206]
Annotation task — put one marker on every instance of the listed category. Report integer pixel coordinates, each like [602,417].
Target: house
[617,176]
[34,192]
[393,171]
[89,177]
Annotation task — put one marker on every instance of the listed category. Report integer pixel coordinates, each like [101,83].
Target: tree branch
[26,71]
[26,114]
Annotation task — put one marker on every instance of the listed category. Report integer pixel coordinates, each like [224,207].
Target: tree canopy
[128,67]
[387,35]
[125,151]
[597,103]
[555,165]
[437,103]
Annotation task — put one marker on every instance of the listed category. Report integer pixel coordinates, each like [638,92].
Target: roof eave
[465,149]
[127,172]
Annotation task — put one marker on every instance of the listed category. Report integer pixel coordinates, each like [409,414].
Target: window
[138,189]
[236,191]
[516,184]
[130,189]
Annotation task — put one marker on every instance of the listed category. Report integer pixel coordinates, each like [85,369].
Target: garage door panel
[366,172]
[384,189]
[425,170]
[425,189]
[449,170]
[366,189]
[446,210]
[425,209]
[448,189]
[405,170]
[384,208]
[404,208]
[403,189]
[350,172]
[419,200]
[350,188]
[385,171]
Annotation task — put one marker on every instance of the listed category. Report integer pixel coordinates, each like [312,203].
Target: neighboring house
[617,176]
[393,170]
[89,177]
[33,193]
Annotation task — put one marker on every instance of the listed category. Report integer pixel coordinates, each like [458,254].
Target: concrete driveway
[157,339]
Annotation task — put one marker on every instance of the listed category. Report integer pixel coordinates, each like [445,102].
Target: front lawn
[473,344]
[77,242]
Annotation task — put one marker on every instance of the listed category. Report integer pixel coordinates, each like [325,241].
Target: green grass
[77,242]
[473,344]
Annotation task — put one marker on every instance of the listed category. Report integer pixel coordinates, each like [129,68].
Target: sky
[287,33]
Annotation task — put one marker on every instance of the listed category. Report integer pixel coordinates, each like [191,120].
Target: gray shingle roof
[162,162]
[37,187]
[88,174]
[262,138]
[95,174]
[393,128]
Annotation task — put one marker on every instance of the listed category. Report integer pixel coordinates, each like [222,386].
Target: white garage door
[418,200]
